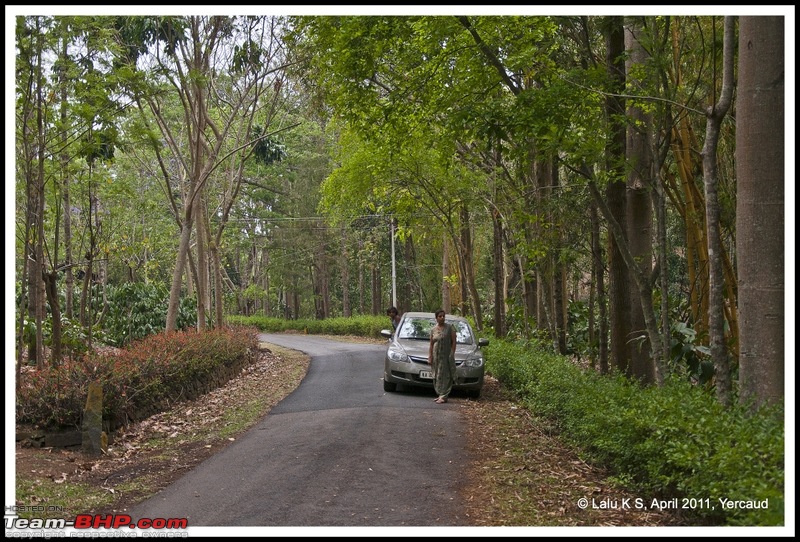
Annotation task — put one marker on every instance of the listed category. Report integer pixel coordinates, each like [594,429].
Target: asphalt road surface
[338,451]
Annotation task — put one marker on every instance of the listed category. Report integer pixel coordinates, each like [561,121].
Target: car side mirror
[483,342]
[387,333]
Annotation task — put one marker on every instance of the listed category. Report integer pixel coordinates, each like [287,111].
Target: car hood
[419,348]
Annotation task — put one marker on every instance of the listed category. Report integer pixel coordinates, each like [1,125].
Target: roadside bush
[670,441]
[138,381]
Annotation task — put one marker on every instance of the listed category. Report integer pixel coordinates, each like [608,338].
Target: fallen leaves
[512,449]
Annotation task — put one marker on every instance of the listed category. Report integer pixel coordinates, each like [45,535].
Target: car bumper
[467,378]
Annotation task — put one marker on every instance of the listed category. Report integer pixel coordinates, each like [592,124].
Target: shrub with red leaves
[139,380]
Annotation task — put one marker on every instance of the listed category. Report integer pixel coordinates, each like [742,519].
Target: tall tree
[714,116]
[760,128]
[598,275]
[216,67]
[258,82]
[682,186]
[31,42]
[619,294]
[638,212]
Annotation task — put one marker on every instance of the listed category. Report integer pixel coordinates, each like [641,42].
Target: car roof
[432,315]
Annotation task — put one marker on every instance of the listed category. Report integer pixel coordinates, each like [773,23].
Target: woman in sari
[442,357]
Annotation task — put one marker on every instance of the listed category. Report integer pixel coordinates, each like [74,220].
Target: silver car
[406,359]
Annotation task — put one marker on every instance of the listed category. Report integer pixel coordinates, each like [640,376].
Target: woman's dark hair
[440,311]
[392,310]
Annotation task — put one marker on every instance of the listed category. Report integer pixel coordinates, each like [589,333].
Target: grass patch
[49,499]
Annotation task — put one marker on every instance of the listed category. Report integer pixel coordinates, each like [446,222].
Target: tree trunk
[714,116]
[446,299]
[468,268]
[201,239]
[69,279]
[37,267]
[321,281]
[90,277]
[499,274]
[543,264]
[345,275]
[559,309]
[599,280]
[559,273]
[314,278]
[409,289]
[619,293]
[530,294]
[362,294]
[203,260]
[377,293]
[177,273]
[51,289]
[526,284]
[760,209]
[219,297]
[660,204]
[642,282]
[263,271]
[639,214]
[542,298]
[27,140]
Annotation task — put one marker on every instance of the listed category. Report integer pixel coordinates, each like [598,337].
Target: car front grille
[417,359]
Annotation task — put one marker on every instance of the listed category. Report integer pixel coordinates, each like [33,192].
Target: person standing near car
[442,356]
[394,315]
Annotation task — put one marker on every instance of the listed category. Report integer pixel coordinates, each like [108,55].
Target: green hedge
[360,326]
[670,441]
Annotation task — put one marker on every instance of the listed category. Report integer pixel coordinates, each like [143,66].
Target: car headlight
[396,355]
[475,360]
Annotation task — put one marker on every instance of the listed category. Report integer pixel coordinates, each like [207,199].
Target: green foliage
[517,323]
[688,356]
[137,33]
[137,381]
[578,330]
[99,145]
[73,336]
[361,326]
[267,150]
[672,441]
[136,310]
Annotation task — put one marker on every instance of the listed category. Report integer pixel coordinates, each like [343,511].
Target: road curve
[338,451]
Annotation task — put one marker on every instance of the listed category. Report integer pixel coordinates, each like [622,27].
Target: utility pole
[394,268]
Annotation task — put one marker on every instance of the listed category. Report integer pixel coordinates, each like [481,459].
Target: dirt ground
[521,474]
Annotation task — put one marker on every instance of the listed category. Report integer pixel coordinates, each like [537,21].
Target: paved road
[338,451]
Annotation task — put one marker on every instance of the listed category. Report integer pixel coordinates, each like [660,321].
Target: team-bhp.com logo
[96,521]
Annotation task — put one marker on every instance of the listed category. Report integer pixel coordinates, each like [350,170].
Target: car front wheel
[389,386]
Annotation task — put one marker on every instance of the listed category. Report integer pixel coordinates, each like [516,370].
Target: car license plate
[425,375]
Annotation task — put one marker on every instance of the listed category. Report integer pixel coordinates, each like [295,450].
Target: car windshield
[420,329]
